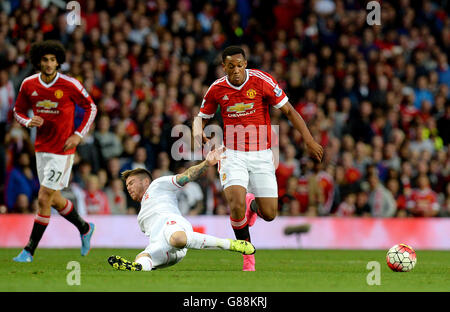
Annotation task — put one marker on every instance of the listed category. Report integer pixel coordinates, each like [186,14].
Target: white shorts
[54,170]
[159,249]
[253,170]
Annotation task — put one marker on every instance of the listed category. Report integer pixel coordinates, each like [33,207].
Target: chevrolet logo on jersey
[239,107]
[47,104]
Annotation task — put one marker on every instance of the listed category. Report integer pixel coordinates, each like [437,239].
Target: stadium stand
[376,97]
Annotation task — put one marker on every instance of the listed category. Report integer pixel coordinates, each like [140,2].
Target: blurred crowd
[375,96]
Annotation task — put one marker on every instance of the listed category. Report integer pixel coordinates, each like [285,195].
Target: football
[401,258]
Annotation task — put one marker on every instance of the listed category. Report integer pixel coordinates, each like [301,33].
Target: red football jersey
[245,109]
[55,103]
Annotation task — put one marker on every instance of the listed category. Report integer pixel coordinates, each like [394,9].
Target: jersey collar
[242,85]
[51,83]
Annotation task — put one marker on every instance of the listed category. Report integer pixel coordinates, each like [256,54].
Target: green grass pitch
[220,271]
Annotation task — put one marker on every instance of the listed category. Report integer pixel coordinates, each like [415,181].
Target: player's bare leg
[236,198]
[265,207]
[45,198]
[66,209]
[235,195]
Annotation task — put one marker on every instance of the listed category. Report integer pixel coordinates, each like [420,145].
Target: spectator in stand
[190,197]
[88,151]
[422,93]
[117,198]
[381,201]
[113,168]
[7,95]
[390,158]
[347,208]
[148,65]
[362,158]
[352,174]
[138,160]
[96,199]
[164,164]
[287,167]
[393,186]
[316,197]
[289,195]
[108,142]
[445,211]
[22,204]
[22,185]
[213,196]
[443,124]
[129,150]
[362,208]
[327,186]
[423,200]
[82,172]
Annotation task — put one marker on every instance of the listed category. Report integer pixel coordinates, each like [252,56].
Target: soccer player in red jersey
[52,97]
[248,172]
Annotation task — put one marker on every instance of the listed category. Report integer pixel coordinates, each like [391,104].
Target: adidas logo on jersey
[225,98]
[34,93]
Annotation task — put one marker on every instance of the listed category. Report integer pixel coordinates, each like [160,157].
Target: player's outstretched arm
[199,135]
[315,149]
[194,172]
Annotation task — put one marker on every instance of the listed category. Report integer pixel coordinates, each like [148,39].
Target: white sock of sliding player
[146,263]
[200,241]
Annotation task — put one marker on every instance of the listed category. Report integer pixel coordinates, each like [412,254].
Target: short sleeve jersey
[55,103]
[245,109]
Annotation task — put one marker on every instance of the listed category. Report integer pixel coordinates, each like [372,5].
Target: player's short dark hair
[232,50]
[144,173]
[39,49]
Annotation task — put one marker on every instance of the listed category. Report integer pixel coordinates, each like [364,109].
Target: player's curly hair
[39,49]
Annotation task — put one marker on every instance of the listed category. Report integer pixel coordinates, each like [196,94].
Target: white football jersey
[159,199]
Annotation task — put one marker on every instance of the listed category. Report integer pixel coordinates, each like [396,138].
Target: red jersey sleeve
[273,94]
[209,104]
[22,105]
[82,98]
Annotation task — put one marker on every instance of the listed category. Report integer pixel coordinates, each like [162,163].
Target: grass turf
[220,271]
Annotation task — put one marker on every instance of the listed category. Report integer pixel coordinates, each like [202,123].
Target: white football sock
[146,263]
[200,241]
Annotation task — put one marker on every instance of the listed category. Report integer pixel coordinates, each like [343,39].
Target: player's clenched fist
[315,150]
[214,156]
[72,142]
[36,121]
